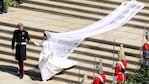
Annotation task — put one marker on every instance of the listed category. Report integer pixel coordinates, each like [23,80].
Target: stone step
[73,13]
[15,64]
[105,47]
[127,43]
[35,73]
[56,10]
[108,42]
[91,45]
[11,59]
[107,5]
[34,63]
[82,72]
[68,6]
[37,33]
[32,51]
[95,3]
[31,63]
[86,44]
[88,3]
[106,62]
[34,55]
[88,53]
[66,71]
[95,51]
[103,56]
[109,56]
[99,54]
[83,8]
[85,68]
[79,10]
[9,30]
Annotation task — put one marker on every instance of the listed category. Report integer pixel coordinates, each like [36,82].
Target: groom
[21,37]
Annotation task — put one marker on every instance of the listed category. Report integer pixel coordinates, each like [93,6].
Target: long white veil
[63,44]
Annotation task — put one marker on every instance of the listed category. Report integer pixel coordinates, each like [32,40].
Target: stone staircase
[89,52]
[86,9]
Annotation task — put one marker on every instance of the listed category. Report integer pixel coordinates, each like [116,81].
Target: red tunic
[145,47]
[146,50]
[145,58]
[124,63]
[121,77]
[97,80]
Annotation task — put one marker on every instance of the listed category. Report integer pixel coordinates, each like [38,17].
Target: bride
[49,66]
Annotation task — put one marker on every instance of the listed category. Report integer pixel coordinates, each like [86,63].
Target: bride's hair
[44,34]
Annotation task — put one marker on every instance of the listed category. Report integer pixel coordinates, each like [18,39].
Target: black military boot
[1,12]
[21,76]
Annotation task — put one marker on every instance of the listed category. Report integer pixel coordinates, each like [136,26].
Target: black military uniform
[20,37]
[19,1]
[3,8]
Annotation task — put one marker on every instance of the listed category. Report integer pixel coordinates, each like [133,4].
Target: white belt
[21,43]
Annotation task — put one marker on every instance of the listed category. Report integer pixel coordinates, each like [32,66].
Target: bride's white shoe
[44,81]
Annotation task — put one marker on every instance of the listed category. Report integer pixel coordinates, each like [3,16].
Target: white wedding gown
[54,65]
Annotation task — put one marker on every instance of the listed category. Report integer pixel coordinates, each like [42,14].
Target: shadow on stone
[9,69]
[34,74]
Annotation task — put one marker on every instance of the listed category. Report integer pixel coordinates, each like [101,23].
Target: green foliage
[137,77]
[10,3]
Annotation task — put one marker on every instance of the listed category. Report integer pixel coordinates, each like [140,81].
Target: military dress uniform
[100,77]
[3,8]
[120,71]
[20,38]
[120,68]
[145,57]
[146,53]
[146,47]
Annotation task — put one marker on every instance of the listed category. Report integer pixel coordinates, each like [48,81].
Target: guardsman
[146,50]
[120,68]
[3,8]
[1,4]
[100,77]
[20,37]
[19,1]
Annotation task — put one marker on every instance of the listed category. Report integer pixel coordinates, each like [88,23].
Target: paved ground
[8,76]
